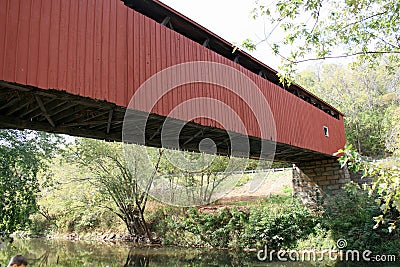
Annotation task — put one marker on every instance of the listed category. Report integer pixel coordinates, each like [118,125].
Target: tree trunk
[136,225]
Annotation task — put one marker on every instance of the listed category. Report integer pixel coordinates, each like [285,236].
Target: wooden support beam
[10,122]
[19,107]
[156,132]
[116,127]
[13,86]
[44,111]
[35,110]
[4,91]
[223,141]
[84,123]
[166,21]
[193,137]
[99,126]
[54,109]
[58,111]
[68,115]
[110,115]
[11,103]
[97,115]
[55,94]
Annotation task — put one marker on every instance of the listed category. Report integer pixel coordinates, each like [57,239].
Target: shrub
[222,229]
[350,215]
[278,227]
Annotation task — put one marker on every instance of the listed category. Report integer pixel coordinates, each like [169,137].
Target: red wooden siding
[104,50]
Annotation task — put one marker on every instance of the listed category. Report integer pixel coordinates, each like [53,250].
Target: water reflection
[42,252]
[136,260]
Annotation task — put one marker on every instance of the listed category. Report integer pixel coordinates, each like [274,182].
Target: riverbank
[238,221]
[276,221]
[281,222]
[72,209]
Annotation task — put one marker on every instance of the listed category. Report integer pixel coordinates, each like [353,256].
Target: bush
[222,229]
[350,215]
[280,222]
[274,221]
[278,227]
[167,223]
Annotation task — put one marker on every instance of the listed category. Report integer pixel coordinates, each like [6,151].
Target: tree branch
[317,19]
[76,180]
[160,153]
[364,19]
[389,44]
[340,56]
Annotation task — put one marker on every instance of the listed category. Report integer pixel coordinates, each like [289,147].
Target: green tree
[367,97]
[393,131]
[350,216]
[71,202]
[117,179]
[199,178]
[386,185]
[316,29]
[23,154]
[194,179]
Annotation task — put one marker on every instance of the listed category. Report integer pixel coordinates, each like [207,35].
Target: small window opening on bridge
[326,131]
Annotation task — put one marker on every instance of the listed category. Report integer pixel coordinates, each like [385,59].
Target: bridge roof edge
[166,15]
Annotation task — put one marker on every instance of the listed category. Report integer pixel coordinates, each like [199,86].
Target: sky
[231,20]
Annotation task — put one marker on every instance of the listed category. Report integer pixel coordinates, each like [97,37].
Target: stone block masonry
[313,181]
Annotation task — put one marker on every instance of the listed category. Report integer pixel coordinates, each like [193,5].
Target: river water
[43,252]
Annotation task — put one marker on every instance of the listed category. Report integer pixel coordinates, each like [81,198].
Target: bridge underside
[26,107]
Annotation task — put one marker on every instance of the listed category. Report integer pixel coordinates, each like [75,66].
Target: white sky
[229,19]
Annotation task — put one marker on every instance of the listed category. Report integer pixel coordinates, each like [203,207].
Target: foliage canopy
[385,186]
[117,180]
[318,29]
[23,154]
[369,99]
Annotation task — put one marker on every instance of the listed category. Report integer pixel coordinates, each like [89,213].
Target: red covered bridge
[72,67]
